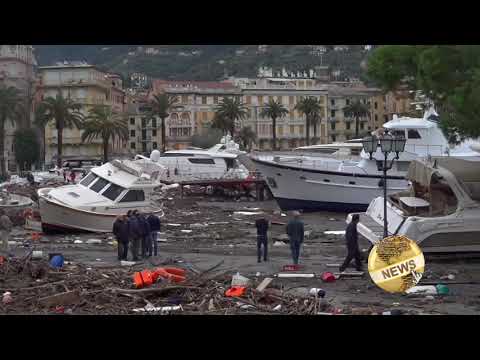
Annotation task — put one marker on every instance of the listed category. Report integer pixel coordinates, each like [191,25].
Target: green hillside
[203,62]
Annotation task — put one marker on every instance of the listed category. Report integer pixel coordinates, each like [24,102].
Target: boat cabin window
[230,163]
[413,134]
[202,161]
[133,195]
[113,191]
[398,133]
[99,185]
[176,155]
[88,179]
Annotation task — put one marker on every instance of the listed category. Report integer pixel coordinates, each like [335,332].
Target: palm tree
[65,113]
[222,123]
[316,120]
[102,122]
[10,108]
[160,106]
[247,137]
[274,110]
[357,110]
[40,122]
[231,110]
[310,107]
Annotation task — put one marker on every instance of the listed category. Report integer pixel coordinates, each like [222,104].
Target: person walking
[155,226]
[5,229]
[295,232]
[121,232]
[351,237]
[134,234]
[262,239]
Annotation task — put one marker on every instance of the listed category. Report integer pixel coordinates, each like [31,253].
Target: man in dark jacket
[351,237]
[120,230]
[262,228]
[134,234]
[154,222]
[144,233]
[295,232]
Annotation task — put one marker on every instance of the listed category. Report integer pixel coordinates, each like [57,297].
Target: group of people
[137,231]
[296,233]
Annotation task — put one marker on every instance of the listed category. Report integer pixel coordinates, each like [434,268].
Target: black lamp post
[388,144]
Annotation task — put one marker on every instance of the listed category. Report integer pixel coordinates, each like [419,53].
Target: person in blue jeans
[295,232]
[262,240]
[155,225]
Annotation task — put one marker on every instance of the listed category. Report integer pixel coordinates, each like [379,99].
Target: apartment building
[89,86]
[291,131]
[17,69]
[194,110]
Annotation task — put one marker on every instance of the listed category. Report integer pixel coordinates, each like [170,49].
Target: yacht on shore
[310,183]
[440,212]
[104,193]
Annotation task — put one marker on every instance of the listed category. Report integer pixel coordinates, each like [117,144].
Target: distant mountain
[206,62]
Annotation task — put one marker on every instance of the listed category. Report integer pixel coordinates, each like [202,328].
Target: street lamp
[388,144]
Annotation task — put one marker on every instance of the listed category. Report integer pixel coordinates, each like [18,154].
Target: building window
[144,122]
[204,100]
[332,101]
[260,100]
[362,126]
[154,132]
[154,123]
[132,133]
[347,101]
[154,145]
[248,99]
[332,125]
[385,118]
[292,129]
[215,99]
[280,130]
[280,99]
[332,113]
[347,125]
[375,105]
[292,114]
[334,138]
[144,134]
[132,121]
[184,99]
[291,100]
[132,145]
[301,129]
[376,117]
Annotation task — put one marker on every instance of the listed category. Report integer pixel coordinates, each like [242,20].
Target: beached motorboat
[440,212]
[104,193]
[219,162]
[309,182]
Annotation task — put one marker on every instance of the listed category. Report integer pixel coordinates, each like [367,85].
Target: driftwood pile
[36,288]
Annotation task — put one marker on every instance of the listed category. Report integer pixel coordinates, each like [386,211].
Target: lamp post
[388,144]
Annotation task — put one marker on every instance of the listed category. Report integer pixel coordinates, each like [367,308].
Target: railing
[425,149]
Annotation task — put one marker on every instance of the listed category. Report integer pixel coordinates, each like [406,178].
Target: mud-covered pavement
[202,231]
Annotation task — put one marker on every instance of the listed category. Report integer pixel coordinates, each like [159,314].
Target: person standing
[155,225]
[120,230]
[5,229]
[144,232]
[351,237]
[295,232]
[262,239]
[72,176]
[134,234]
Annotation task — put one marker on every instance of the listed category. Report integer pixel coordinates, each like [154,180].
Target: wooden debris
[264,284]
[65,298]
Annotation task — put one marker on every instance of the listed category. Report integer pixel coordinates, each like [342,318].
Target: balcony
[105,84]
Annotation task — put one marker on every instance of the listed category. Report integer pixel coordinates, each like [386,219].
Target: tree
[207,140]
[41,122]
[274,110]
[160,106]
[221,123]
[356,110]
[65,113]
[27,148]
[449,75]
[316,120]
[230,111]
[311,108]
[103,123]
[10,109]
[247,136]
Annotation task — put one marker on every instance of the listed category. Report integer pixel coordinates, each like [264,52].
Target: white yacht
[218,162]
[441,211]
[322,182]
[107,191]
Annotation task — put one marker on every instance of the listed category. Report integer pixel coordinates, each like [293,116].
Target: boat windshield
[88,179]
[113,191]
[99,185]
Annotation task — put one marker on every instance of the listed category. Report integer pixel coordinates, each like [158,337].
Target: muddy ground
[201,231]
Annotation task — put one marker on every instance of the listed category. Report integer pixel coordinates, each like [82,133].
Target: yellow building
[88,86]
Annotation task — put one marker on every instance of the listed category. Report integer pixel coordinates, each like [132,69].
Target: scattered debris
[239,280]
[341,232]
[328,277]
[263,285]
[7,298]
[94,241]
[247,213]
[293,275]
[279,243]
[424,290]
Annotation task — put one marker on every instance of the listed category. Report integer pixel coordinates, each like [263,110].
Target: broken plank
[293,275]
[353,273]
[64,298]
[264,284]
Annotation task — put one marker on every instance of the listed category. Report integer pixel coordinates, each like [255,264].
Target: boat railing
[425,149]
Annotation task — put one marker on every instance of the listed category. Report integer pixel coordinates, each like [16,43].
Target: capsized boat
[104,193]
[441,210]
[310,183]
